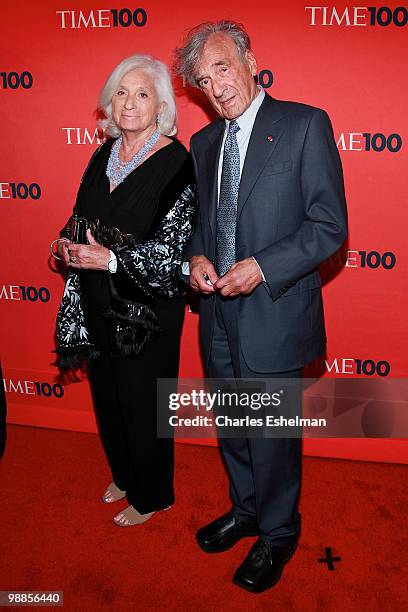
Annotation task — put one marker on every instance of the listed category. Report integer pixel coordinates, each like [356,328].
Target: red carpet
[57,535]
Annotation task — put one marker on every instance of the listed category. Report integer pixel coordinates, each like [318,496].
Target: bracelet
[52,244]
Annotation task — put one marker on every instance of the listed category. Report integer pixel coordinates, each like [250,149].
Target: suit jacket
[291,216]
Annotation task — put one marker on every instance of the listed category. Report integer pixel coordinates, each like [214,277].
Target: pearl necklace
[117,170]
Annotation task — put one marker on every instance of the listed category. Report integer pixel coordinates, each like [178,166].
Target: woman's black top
[135,206]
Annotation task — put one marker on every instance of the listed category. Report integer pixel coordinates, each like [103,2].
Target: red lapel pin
[270,138]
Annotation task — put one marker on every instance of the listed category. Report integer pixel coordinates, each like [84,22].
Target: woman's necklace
[118,170]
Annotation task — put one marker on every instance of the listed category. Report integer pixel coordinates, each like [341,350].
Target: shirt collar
[247,119]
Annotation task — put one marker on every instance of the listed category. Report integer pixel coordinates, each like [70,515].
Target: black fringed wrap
[152,270]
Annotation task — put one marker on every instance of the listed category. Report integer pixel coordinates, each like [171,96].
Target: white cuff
[185,268]
[260,269]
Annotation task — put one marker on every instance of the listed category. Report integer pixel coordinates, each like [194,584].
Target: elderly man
[272,208]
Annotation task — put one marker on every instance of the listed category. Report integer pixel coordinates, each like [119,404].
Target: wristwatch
[112,263]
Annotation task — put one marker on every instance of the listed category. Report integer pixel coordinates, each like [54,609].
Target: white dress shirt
[246,123]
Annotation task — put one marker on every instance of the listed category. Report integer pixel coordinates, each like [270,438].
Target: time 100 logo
[14,80]
[20,191]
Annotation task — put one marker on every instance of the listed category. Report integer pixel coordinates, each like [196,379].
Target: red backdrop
[348,60]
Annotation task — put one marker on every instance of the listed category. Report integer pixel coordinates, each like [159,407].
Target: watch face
[112,266]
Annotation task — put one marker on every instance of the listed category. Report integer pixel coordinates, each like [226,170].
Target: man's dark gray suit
[291,216]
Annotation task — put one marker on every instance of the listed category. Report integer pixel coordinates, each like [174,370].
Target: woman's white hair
[162,83]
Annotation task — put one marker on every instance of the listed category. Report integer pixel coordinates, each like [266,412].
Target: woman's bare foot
[113,494]
[130,516]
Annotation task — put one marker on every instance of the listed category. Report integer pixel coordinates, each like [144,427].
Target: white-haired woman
[123,307]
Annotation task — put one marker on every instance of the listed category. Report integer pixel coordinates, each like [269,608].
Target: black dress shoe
[224,532]
[263,566]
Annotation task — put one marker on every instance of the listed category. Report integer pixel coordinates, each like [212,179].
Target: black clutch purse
[106,236]
[78,228]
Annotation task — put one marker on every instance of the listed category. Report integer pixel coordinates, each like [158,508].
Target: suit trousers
[265,473]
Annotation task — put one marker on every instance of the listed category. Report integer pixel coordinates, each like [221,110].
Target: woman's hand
[92,256]
[62,249]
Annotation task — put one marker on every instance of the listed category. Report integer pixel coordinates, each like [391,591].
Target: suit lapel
[265,136]
[213,156]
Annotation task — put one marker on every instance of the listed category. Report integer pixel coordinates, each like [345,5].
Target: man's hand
[201,270]
[89,257]
[241,279]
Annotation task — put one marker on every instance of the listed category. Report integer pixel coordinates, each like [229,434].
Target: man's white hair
[162,83]
[188,56]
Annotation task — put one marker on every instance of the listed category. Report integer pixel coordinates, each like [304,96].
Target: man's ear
[252,63]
